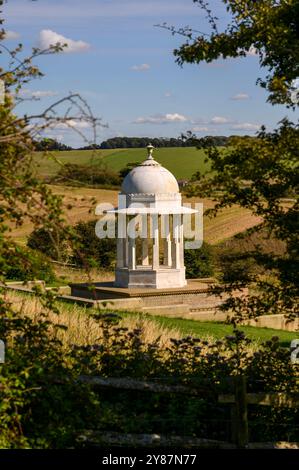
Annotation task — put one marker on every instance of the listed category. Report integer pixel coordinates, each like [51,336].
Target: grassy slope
[229,222]
[49,165]
[219,330]
[182,162]
[82,327]
[215,329]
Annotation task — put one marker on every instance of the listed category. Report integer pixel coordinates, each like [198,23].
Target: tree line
[134,142]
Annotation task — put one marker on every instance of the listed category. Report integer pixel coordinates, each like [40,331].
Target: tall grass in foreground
[83,329]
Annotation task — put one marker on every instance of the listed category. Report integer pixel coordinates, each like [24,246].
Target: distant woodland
[134,142]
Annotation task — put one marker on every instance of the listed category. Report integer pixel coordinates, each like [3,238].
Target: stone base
[143,277]
[193,299]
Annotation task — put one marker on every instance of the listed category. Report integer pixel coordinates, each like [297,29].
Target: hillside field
[228,222]
[183,162]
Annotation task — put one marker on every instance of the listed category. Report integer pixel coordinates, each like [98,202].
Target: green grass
[216,329]
[202,329]
[219,330]
[49,165]
[182,162]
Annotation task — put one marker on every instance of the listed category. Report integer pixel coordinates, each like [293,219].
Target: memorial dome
[149,178]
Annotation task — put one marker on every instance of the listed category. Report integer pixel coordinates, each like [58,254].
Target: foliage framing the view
[43,405]
[257,173]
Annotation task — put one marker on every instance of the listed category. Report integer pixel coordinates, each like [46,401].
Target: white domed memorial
[150,272]
[150,244]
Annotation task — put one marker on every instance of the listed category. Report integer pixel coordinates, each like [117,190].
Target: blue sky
[123,65]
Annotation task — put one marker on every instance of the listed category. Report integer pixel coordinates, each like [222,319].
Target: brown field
[226,224]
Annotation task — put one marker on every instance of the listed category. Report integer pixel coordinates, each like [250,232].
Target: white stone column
[144,240]
[120,262]
[126,251]
[176,256]
[182,243]
[144,254]
[132,253]
[155,235]
[121,241]
[165,220]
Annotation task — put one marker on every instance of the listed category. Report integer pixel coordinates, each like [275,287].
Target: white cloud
[47,37]
[141,67]
[240,96]
[11,35]
[220,120]
[38,93]
[53,135]
[161,119]
[72,123]
[168,94]
[245,126]
[43,93]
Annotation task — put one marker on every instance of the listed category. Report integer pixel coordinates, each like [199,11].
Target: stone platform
[198,309]
[192,300]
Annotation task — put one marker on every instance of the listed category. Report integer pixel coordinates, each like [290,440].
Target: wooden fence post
[240,430]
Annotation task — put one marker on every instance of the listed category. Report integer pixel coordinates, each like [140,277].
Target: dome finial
[150,149]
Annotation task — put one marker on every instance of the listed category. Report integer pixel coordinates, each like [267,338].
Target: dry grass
[250,241]
[82,328]
[78,203]
[80,275]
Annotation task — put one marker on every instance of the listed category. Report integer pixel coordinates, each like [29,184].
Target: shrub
[93,250]
[90,175]
[243,257]
[25,264]
[50,241]
[43,405]
[88,250]
[199,262]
